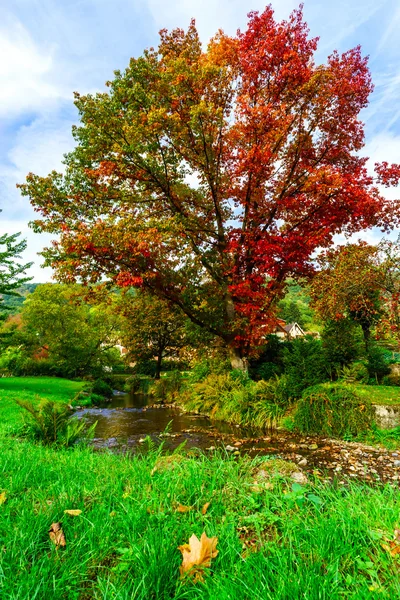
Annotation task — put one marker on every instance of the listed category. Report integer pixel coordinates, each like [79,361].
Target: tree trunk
[158,366]
[367,334]
[237,361]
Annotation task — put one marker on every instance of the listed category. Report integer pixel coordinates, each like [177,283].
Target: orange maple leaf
[198,553]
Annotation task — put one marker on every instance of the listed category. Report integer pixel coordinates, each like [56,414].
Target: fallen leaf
[57,535]
[3,497]
[392,546]
[183,509]
[198,553]
[205,508]
[73,512]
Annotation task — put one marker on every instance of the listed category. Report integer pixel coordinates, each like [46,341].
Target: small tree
[11,273]
[152,328]
[349,286]
[78,336]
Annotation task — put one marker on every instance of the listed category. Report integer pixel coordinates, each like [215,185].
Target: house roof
[288,328]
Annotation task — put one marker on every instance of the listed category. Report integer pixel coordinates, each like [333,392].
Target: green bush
[334,410]
[228,397]
[51,423]
[355,372]
[304,365]
[168,387]
[101,388]
[377,364]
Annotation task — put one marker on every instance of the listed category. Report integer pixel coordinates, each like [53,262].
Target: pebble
[302,462]
[299,477]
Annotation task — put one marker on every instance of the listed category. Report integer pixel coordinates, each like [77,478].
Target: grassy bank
[276,540]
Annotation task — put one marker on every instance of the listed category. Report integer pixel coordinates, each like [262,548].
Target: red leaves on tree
[210,177]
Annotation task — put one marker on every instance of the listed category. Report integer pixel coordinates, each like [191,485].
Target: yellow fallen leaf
[198,553]
[183,509]
[3,497]
[57,535]
[205,508]
[73,512]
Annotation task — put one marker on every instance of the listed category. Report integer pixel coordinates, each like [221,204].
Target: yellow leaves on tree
[197,555]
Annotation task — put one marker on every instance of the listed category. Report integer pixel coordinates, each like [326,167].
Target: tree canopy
[210,176]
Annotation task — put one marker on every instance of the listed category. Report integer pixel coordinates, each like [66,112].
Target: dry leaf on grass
[183,509]
[205,508]
[392,546]
[3,497]
[198,553]
[57,535]
[73,512]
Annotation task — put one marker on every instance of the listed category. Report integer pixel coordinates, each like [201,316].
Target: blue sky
[51,48]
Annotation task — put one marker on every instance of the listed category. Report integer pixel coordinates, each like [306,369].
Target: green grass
[32,389]
[300,542]
[51,387]
[379,394]
[276,540]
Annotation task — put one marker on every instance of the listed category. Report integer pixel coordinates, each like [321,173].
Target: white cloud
[25,73]
[39,148]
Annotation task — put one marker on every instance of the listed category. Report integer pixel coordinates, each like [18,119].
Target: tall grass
[51,423]
[277,541]
[334,410]
[228,397]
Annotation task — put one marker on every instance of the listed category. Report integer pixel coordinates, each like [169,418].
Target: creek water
[124,424]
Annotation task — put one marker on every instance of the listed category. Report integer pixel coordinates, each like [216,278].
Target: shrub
[227,397]
[168,387]
[376,363]
[342,344]
[355,372]
[101,388]
[51,423]
[304,365]
[334,410]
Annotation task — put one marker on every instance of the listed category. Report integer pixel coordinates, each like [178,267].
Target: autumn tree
[151,328]
[349,285]
[210,176]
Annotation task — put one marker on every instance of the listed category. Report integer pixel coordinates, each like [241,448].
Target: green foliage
[168,387]
[334,410]
[152,329]
[50,423]
[269,362]
[76,335]
[138,384]
[304,364]
[355,372]
[377,364]
[14,303]
[389,438]
[342,342]
[101,388]
[295,307]
[204,368]
[236,399]
[11,273]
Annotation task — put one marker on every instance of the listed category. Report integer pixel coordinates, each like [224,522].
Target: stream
[124,423]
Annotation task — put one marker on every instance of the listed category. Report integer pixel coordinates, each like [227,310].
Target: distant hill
[15,302]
